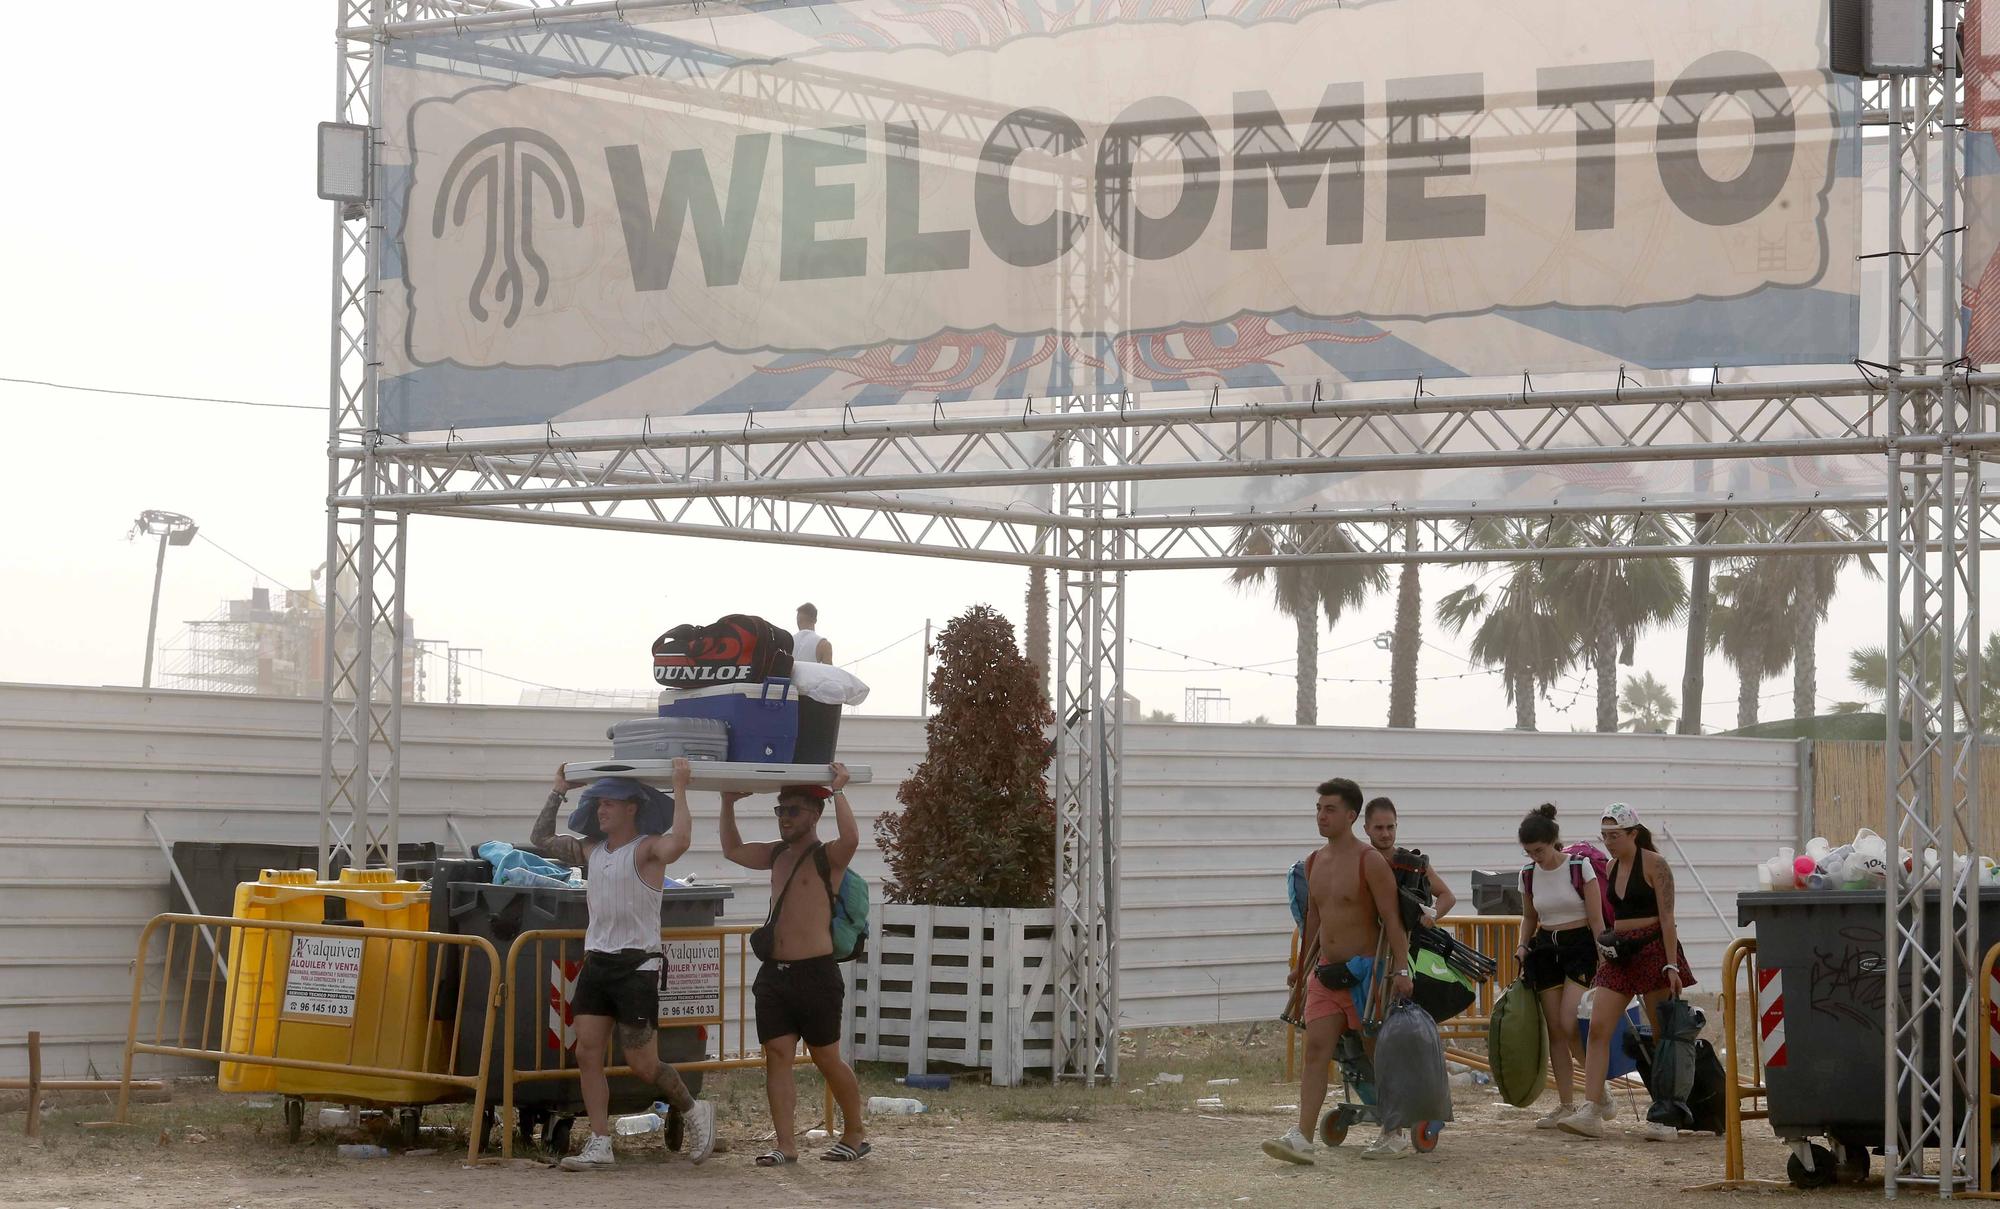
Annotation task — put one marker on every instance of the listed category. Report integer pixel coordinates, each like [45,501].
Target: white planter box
[963,985]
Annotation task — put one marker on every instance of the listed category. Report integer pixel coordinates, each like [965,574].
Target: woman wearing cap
[1636,962]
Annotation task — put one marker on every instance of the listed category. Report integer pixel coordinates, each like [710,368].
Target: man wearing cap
[625,858]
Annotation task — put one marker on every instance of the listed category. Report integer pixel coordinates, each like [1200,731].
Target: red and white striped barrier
[562,989]
[1771,1017]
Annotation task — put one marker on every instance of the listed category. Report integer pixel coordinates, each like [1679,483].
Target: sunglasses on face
[785,812]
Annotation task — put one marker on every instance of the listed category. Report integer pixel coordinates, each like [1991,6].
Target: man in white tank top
[625,860]
[807,645]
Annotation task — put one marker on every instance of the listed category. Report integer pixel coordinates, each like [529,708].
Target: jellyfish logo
[501,168]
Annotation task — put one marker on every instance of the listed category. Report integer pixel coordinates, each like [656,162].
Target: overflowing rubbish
[1862,864]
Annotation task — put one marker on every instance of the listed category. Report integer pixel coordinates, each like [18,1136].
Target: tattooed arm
[1662,875]
[542,837]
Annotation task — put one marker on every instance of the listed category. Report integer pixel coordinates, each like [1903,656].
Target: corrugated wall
[1214,815]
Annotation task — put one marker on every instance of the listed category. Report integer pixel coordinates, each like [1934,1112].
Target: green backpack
[1517,1045]
[850,909]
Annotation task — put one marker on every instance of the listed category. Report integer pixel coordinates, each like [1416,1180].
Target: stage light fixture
[343,162]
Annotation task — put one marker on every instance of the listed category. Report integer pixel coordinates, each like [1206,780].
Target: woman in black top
[1636,964]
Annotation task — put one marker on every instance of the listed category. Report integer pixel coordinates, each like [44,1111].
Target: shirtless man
[798,992]
[1350,906]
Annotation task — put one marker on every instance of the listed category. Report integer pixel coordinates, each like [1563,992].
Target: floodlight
[343,161]
[1880,37]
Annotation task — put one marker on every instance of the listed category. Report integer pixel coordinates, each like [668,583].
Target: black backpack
[737,649]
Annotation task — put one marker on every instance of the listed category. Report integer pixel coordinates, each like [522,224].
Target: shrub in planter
[978,825]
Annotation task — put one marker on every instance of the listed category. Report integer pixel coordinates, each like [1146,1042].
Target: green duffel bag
[1517,1046]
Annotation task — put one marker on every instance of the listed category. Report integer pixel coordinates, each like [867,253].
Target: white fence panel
[1213,817]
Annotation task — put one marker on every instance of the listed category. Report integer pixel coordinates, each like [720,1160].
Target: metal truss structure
[1061,483]
[1935,1042]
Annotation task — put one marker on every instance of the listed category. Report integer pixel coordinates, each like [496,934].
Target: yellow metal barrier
[1497,936]
[314,1001]
[1987,1100]
[568,946]
[1741,956]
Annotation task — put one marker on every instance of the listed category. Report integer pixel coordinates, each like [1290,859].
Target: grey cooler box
[669,738]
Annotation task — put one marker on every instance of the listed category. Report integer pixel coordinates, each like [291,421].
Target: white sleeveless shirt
[624,910]
[805,646]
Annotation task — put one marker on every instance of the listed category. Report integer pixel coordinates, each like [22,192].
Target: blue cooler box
[763,719]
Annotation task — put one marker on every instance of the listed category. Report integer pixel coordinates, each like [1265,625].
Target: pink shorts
[1321,1003]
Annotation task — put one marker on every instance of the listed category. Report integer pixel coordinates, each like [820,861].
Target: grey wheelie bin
[464,901]
[1828,950]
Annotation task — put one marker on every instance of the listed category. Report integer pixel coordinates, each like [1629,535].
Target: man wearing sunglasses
[799,988]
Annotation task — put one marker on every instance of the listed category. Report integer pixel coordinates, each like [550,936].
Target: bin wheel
[1853,1165]
[1823,1170]
[558,1135]
[1333,1127]
[1425,1136]
[409,1126]
[295,1118]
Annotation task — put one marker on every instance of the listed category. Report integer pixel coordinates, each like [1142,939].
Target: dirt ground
[1139,1143]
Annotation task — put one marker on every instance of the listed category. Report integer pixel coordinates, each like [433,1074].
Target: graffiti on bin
[1847,982]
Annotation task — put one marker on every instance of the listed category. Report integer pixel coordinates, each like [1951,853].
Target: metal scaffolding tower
[905,486]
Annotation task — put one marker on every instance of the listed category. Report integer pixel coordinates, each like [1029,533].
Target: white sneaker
[1607,1108]
[1585,1122]
[1655,1131]
[700,1130]
[1292,1148]
[1553,1118]
[1389,1145]
[595,1155]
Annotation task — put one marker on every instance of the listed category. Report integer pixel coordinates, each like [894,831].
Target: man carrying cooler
[625,859]
[799,988]
[1350,908]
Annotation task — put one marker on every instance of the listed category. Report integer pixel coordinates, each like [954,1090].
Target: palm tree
[1519,626]
[1750,623]
[1407,639]
[1647,705]
[1306,591]
[1812,581]
[1868,668]
[1616,599]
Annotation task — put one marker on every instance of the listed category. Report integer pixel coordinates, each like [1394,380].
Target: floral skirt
[1644,971]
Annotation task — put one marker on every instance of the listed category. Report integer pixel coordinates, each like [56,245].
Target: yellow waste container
[359,1001]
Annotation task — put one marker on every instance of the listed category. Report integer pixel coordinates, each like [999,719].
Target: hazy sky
[163,235]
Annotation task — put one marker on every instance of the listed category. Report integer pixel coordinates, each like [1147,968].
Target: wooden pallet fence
[964,986]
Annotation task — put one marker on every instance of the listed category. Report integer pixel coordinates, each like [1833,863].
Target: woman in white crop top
[1562,912]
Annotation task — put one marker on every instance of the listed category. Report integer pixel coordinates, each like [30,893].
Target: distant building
[271,645]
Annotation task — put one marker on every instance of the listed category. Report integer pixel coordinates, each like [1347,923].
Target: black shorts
[800,998]
[612,984]
[1557,957]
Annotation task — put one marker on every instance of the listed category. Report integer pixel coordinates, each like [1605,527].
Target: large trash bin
[464,901]
[1828,950]
[374,1012]
[1496,893]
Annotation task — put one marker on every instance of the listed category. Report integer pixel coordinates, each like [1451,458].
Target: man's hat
[656,808]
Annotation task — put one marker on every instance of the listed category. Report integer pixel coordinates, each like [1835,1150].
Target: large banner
[893,201]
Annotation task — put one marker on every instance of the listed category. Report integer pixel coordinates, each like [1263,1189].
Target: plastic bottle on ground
[638,1123]
[893,1106]
[362,1150]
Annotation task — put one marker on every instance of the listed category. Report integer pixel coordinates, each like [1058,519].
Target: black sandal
[841,1152]
[775,1158]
